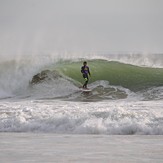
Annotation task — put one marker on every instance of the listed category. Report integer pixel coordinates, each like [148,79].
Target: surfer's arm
[82,70]
[89,72]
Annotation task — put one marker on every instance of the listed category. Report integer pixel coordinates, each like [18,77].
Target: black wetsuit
[85,71]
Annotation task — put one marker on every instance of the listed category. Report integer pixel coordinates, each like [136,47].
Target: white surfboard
[85,90]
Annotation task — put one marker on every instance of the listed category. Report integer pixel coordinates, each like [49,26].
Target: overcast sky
[101,26]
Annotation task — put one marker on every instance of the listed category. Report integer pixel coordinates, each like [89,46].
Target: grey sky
[101,26]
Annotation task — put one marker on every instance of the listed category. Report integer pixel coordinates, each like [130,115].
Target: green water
[133,77]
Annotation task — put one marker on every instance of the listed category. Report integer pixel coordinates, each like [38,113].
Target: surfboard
[84,89]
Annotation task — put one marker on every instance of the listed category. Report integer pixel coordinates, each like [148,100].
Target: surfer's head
[84,63]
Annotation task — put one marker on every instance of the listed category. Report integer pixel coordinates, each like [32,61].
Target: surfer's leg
[86,82]
[85,76]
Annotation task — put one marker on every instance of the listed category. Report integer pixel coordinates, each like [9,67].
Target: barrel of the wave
[134,78]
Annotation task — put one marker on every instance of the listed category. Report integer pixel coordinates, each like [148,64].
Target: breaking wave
[110,80]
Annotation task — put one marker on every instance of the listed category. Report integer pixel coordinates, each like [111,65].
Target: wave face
[132,77]
[109,80]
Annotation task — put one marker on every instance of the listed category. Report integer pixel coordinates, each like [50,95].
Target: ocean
[41,104]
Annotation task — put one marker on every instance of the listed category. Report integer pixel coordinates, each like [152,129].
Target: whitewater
[40,97]
[126,98]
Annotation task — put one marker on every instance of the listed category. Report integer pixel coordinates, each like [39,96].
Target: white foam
[52,89]
[16,73]
[119,117]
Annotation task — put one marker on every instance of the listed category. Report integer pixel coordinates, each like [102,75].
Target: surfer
[85,71]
